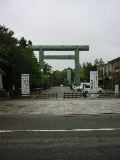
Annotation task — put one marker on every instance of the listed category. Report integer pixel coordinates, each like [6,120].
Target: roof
[109,62]
[114,60]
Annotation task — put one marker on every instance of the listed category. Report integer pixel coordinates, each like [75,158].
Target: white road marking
[61,130]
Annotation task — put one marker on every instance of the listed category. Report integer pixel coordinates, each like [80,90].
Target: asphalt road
[34,137]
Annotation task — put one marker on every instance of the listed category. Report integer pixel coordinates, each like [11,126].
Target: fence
[46,95]
[72,95]
[99,95]
[109,95]
[3,94]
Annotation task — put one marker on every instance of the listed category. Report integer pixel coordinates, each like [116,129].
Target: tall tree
[60,77]
[85,71]
[21,60]
[98,62]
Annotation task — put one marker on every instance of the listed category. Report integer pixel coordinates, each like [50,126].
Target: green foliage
[60,77]
[87,67]
[47,76]
[98,62]
[24,43]
[85,71]
[57,78]
[6,36]
[21,60]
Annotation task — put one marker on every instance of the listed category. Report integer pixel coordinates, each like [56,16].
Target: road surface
[40,137]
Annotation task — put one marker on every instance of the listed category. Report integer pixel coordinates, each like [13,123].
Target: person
[85,94]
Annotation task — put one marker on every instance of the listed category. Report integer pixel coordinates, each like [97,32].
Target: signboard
[69,76]
[94,81]
[25,87]
[116,89]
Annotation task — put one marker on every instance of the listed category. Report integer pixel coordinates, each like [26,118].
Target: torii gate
[75,48]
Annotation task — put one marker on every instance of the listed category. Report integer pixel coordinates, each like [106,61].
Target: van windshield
[87,86]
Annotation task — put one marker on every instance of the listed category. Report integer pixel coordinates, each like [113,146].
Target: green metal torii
[75,48]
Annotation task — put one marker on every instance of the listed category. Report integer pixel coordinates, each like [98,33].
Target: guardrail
[46,95]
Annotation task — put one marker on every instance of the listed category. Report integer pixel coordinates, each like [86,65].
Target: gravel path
[60,107]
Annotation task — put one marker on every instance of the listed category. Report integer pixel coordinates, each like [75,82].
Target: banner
[94,81]
[69,76]
[116,89]
[25,87]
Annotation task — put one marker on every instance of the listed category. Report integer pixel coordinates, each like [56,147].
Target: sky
[66,22]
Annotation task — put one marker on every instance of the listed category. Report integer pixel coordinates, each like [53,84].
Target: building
[109,74]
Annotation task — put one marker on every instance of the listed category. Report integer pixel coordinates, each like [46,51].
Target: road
[34,137]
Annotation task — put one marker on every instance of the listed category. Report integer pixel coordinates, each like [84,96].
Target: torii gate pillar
[41,63]
[77,68]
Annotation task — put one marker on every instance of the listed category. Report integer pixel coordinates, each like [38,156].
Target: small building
[109,74]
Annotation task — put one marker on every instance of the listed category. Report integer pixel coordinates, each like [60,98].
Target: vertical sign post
[69,76]
[94,81]
[116,89]
[25,86]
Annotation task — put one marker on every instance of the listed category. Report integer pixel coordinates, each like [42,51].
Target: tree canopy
[87,67]
[21,60]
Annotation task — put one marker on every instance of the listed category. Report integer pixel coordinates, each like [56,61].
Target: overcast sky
[81,22]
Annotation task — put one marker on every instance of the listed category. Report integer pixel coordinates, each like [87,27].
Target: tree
[85,71]
[47,76]
[24,43]
[21,59]
[98,62]
[60,77]
[57,78]
[87,67]
[6,37]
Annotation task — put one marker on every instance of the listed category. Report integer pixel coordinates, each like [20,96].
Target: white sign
[25,87]
[69,76]
[94,81]
[116,89]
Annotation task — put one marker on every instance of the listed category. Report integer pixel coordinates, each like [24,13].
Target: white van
[85,86]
